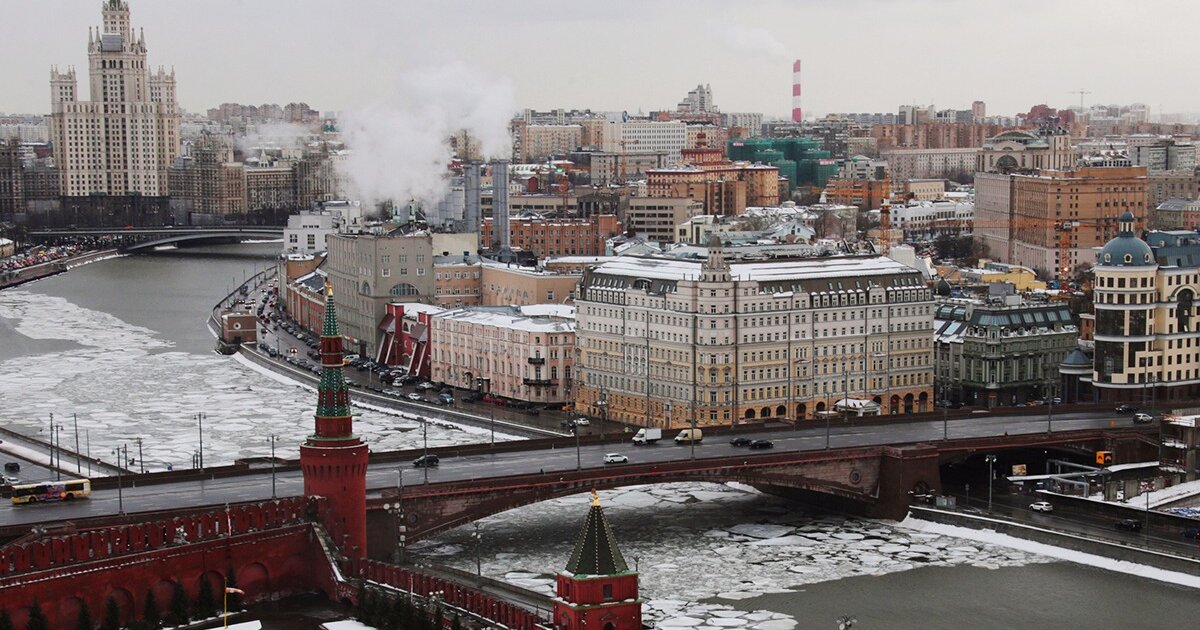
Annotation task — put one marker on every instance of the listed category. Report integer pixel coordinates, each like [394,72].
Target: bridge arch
[126,606]
[199,235]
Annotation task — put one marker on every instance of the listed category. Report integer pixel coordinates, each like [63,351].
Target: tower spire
[597,589]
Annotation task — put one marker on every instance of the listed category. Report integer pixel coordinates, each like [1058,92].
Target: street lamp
[141,462]
[56,438]
[120,493]
[578,452]
[602,404]
[274,438]
[425,447]
[200,431]
[990,459]
[478,538]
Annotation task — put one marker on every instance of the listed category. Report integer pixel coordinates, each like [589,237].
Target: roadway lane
[258,486]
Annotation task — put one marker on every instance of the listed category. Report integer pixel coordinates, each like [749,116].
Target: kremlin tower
[333,459]
[597,591]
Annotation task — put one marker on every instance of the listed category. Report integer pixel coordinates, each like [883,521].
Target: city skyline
[347,59]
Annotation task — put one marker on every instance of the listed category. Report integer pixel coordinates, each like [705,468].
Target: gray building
[1000,352]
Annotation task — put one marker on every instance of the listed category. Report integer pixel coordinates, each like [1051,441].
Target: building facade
[123,140]
[547,236]
[907,164]
[1147,343]
[655,218]
[520,353]
[307,232]
[1018,216]
[1001,352]
[664,342]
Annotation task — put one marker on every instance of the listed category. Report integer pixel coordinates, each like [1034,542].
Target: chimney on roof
[500,224]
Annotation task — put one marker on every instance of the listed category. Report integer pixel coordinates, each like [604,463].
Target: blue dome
[1077,357]
[1126,250]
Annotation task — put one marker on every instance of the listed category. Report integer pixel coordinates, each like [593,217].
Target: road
[383,475]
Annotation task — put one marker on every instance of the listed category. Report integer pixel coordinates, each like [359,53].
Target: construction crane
[1081,93]
[885,217]
[621,164]
[1063,228]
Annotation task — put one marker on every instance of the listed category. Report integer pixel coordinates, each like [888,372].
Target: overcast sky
[858,55]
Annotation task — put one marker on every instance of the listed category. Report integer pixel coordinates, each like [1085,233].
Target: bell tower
[597,591]
[333,459]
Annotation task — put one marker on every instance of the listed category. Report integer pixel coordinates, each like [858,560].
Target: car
[615,458]
[531,411]
[1128,525]
[760,444]
[446,399]
[1041,506]
[12,481]
[740,441]
[12,467]
[415,397]
[1191,534]
[567,424]
[426,461]
[1126,408]
[426,386]
[473,397]
[583,422]
[1142,418]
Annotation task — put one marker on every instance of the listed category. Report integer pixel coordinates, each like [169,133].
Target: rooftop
[541,318]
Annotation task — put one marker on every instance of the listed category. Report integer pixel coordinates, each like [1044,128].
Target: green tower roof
[596,551]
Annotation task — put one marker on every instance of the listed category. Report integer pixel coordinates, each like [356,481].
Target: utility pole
[141,462]
[57,438]
[425,442]
[120,467]
[51,439]
[273,438]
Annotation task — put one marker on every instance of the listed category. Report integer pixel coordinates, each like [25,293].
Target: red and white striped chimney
[797,113]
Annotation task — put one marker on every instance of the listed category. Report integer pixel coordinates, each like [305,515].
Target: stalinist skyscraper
[122,141]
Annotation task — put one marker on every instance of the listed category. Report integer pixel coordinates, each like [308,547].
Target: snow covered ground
[700,546]
[126,382]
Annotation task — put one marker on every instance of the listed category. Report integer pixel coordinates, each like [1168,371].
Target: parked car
[567,424]
[760,444]
[426,386]
[1041,506]
[615,458]
[446,399]
[1126,408]
[12,467]
[1128,525]
[415,397]
[473,397]
[1142,418]
[583,422]
[426,461]
[1191,534]
[740,441]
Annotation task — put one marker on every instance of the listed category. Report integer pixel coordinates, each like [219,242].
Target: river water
[123,343]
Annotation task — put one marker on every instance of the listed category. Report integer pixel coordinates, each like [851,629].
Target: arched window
[403,288]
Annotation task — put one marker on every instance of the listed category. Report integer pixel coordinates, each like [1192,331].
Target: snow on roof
[512,318]
[412,308]
[577,260]
[548,310]
[797,269]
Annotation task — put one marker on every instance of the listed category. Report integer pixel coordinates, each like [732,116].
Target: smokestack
[797,113]
[471,211]
[500,224]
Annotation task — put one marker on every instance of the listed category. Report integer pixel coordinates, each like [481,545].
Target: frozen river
[122,343]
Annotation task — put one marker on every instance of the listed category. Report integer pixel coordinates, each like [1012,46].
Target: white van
[688,436]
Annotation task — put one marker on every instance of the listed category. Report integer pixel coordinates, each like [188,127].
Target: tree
[112,615]
[456,623]
[439,619]
[205,603]
[37,618]
[179,605]
[5,621]
[151,616]
[84,620]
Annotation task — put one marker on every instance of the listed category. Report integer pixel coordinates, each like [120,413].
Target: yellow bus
[51,491]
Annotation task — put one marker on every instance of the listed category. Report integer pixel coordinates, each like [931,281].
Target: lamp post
[56,438]
[120,493]
[200,431]
[425,447]
[141,462]
[51,439]
[478,538]
[602,404]
[990,459]
[578,452]
[78,463]
[273,439]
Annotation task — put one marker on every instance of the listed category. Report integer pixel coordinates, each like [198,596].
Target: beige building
[270,187]
[907,164]
[925,189]
[665,341]
[1146,316]
[123,140]
[1024,150]
[655,218]
[457,280]
[370,270]
[541,141]
[503,285]
[523,353]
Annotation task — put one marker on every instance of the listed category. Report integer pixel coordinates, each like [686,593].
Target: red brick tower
[333,459]
[597,591]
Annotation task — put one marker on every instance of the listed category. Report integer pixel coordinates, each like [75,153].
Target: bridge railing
[36,552]
[453,594]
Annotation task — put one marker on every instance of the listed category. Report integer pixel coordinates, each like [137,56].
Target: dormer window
[1128,258]
[1108,258]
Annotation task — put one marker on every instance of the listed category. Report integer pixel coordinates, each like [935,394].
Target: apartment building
[664,342]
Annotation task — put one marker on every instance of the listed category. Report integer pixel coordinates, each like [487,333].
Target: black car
[1191,534]
[1124,408]
[1129,525]
[476,397]
[426,461]
[12,467]
[757,444]
[740,441]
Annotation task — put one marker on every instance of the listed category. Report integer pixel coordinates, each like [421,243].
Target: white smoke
[752,40]
[399,147]
[275,135]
